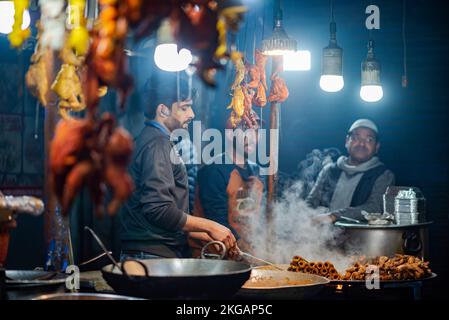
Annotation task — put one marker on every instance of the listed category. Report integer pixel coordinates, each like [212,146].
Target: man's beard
[175,124]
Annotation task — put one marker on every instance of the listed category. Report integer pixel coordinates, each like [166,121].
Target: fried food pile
[399,267]
[325,269]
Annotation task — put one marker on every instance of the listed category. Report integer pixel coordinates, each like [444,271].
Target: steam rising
[294,232]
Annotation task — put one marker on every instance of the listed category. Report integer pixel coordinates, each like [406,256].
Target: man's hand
[216,231]
[220,233]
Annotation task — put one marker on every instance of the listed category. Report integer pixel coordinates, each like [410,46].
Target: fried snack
[260,98]
[237,59]
[67,84]
[37,78]
[279,91]
[399,267]
[106,60]
[237,102]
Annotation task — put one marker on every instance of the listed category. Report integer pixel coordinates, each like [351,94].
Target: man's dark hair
[162,88]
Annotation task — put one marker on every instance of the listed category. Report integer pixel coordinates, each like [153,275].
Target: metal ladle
[205,255]
[103,247]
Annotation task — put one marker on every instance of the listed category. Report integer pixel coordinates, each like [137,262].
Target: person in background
[356,182]
[155,220]
[230,189]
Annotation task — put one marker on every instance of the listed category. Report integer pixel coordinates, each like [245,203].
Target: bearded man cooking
[155,220]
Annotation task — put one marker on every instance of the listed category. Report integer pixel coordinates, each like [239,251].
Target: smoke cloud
[293,231]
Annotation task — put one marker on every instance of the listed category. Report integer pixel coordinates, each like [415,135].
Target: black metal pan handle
[220,256]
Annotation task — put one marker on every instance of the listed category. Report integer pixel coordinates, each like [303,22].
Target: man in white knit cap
[356,182]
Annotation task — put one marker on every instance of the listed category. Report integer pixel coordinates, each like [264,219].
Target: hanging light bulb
[279,43]
[7,17]
[331,79]
[371,89]
[297,61]
[166,55]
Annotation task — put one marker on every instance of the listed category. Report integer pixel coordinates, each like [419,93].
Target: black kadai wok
[177,278]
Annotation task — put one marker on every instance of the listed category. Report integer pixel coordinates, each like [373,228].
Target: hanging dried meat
[91,153]
[258,79]
[279,91]
[67,84]
[238,97]
[106,60]
[38,75]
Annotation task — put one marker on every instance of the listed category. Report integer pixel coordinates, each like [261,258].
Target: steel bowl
[308,285]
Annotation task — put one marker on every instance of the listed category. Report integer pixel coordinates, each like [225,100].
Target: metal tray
[33,278]
[381,226]
[383,282]
[283,291]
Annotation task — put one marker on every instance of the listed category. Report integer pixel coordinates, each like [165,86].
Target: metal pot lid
[382,226]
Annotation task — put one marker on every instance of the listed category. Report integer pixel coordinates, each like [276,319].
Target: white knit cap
[365,123]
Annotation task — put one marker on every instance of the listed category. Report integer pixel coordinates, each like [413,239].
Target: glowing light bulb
[167,57]
[371,93]
[297,61]
[331,83]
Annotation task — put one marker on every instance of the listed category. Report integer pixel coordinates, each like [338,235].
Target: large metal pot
[385,240]
[178,278]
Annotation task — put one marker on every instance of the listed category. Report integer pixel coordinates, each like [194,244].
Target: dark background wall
[413,121]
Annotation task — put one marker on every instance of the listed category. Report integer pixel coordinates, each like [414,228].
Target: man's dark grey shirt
[153,217]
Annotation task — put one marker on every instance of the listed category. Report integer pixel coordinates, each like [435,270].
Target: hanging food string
[260,99]
[93,151]
[79,36]
[67,84]
[37,78]
[18,36]
[279,91]
[238,98]
[90,153]
[106,60]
